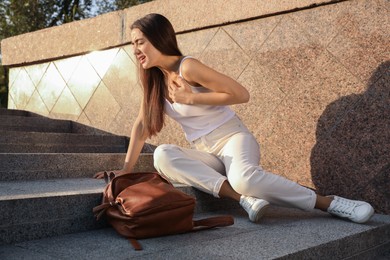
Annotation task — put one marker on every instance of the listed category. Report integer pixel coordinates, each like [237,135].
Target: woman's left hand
[180,91]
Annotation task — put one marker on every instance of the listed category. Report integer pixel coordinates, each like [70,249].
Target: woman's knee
[162,155]
[247,182]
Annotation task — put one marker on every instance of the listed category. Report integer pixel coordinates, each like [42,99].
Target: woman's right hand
[100,175]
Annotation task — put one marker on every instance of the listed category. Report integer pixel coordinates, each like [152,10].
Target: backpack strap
[212,222]
[201,224]
[136,245]
[99,210]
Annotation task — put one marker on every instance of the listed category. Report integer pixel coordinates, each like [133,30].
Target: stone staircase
[46,184]
[46,187]
[47,195]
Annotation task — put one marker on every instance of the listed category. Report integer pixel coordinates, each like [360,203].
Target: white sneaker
[354,210]
[254,206]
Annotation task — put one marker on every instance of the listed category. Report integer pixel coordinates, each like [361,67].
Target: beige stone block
[113,29]
[73,38]
[190,15]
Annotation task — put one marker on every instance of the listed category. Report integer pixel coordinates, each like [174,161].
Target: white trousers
[230,153]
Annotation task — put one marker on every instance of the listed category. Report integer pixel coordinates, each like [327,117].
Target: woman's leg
[227,191]
[323,203]
[241,156]
[199,169]
[203,170]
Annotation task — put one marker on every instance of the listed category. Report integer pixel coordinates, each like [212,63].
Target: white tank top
[198,120]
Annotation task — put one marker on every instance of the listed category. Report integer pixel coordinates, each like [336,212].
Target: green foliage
[22,16]
[3,87]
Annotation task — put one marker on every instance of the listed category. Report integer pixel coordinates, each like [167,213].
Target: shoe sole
[367,218]
[261,212]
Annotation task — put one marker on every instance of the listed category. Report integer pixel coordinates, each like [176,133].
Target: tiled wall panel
[320,92]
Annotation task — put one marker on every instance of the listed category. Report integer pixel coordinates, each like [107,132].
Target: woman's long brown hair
[159,31]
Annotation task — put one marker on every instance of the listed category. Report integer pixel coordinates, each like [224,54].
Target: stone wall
[317,71]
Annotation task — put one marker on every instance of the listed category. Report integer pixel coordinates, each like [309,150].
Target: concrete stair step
[34,124]
[25,121]
[282,234]
[46,208]
[34,166]
[37,209]
[60,148]
[35,142]
[22,137]
[16,112]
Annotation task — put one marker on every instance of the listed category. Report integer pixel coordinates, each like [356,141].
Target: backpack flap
[146,205]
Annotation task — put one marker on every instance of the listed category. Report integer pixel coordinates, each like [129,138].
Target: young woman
[224,155]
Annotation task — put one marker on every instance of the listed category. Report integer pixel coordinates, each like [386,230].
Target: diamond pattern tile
[243,33]
[323,24]
[83,82]
[364,41]
[102,108]
[36,72]
[11,103]
[12,75]
[66,67]
[225,55]
[265,96]
[129,50]
[83,119]
[37,105]
[101,60]
[122,80]
[22,89]
[51,86]
[66,106]
[194,44]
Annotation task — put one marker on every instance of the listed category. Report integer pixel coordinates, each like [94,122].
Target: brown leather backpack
[142,205]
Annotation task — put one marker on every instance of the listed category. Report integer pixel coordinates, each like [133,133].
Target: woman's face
[143,49]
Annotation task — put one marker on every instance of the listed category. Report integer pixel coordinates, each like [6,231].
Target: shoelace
[248,202]
[344,207]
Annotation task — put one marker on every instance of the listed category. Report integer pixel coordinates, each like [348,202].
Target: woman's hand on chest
[179,91]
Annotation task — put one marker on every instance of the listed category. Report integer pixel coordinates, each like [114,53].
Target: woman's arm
[137,141]
[225,90]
